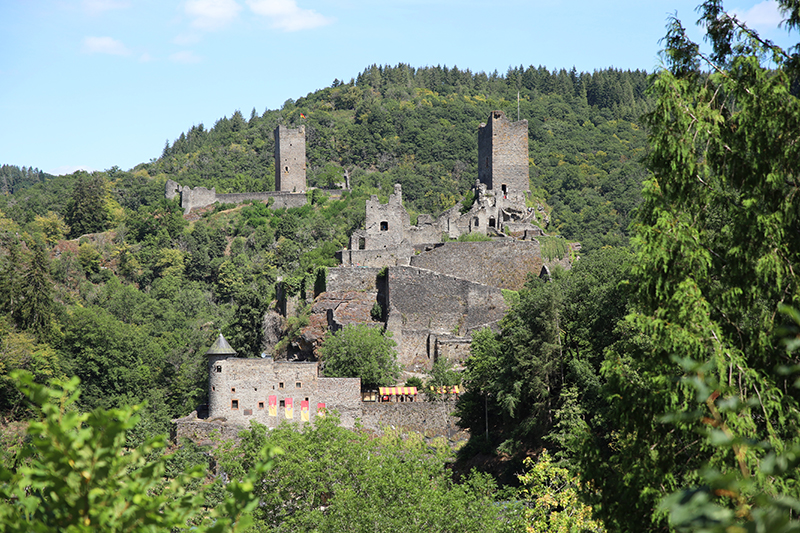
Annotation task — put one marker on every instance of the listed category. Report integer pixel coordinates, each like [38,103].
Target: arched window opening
[384,225]
[492,223]
[476,222]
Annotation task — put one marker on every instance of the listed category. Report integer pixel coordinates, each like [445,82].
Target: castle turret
[503,156]
[218,354]
[290,159]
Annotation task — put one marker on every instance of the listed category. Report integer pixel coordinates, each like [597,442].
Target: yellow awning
[447,390]
[397,391]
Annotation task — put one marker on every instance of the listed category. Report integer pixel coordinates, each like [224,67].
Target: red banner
[304,416]
[288,410]
[320,409]
[273,406]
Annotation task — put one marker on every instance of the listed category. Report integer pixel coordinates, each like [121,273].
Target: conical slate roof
[221,347]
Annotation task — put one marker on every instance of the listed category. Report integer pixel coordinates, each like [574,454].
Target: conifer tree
[86,211]
[703,401]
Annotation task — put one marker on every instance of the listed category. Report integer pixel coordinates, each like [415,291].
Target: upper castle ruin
[290,178]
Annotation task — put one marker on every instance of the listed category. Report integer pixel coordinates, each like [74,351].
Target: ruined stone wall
[498,263]
[204,432]
[427,300]
[239,390]
[290,159]
[386,224]
[503,155]
[342,395]
[279,199]
[413,347]
[432,419]
[424,233]
[351,279]
[399,256]
[451,348]
[202,197]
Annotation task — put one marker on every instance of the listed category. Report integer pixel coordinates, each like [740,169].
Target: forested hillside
[660,371]
[418,127]
[129,306]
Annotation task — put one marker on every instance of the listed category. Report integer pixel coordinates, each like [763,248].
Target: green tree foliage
[704,398]
[443,377]
[334,479]
[398,124]
[75,474]
[87,210]
[19,350]
[518,381]
[361,351]
[553,497]
[36,305]
[14,179]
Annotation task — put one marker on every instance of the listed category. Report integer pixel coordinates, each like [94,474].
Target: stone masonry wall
[503,155]
[351,279]
[290,159]
[441,303]
[202,197]
[432,419]
[398,256]
[279,199]
[499,263]
[240,389]
[385,224]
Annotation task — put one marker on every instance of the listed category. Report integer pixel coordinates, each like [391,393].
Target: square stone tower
[503,156]
[290,159]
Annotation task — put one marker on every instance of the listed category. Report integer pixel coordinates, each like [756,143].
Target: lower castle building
[241,389]
[245,389]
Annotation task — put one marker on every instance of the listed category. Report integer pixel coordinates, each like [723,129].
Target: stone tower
[503,156]
[218,354]
[290,159]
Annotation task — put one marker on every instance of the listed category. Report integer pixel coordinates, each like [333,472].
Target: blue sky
[97,83]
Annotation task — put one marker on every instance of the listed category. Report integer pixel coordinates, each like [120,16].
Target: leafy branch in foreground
[76,475]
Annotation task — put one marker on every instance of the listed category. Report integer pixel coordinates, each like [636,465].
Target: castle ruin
[290,159]
[432,295]
[290,178]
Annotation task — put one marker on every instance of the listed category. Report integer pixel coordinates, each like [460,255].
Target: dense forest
[653,386]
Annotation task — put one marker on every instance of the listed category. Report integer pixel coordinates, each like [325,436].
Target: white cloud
[185,56]
[287,15]
[212,14]
[68,169]
[94,7]
[104,45]
[187,39]
[763,16]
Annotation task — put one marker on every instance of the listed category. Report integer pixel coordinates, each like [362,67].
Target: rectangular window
[298,385]
[234,404]
[280,385]
[282,403]
[260,405]
[219,368]
[233,389]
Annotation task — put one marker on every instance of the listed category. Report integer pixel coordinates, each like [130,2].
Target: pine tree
[86,210]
